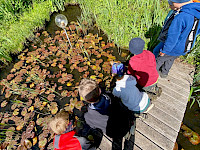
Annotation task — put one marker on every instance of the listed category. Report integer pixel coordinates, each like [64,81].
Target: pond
[43,79]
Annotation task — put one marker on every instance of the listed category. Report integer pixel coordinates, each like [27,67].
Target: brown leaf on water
[20,126]
[54,64]
[10,76]
[60,66]
[63,69]
[27,144]
[64,93]
[13,106]
[24,111]
[16,112]
[42,143]
[4,103]
[19,64]
[8,94]
[51,97]
[60,88]
[79,105]
[18,78]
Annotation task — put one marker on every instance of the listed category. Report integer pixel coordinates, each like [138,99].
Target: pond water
[43,78]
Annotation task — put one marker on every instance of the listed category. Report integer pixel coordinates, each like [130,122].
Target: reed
[124,19]
[19,19]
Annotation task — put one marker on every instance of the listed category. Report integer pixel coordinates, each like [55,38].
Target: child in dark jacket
[181,34]
[143,67]
[107,113]
[65,138]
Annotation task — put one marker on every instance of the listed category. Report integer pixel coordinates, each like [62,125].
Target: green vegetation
[121,20]
[19,19]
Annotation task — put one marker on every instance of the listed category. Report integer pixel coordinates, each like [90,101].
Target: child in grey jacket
[126,89]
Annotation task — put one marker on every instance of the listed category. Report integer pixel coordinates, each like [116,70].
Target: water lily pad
[4,103]
[24,111]
[10,76]
[20,126]
[16,112]
[42,143]
[60,88]
[51,97]
[8,94]
[79,105]
[27,144]
[40,121]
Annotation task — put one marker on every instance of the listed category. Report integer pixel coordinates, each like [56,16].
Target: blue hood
[193,9]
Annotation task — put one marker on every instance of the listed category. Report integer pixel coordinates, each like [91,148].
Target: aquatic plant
[46,75]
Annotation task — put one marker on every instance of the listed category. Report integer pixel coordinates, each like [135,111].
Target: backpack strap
[191,36]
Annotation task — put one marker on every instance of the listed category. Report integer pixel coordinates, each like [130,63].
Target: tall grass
[122,20]
[18,20]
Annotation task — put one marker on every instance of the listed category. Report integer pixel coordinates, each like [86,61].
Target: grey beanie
[136,45]
[178,1]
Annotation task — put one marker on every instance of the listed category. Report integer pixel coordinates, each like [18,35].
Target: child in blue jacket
[163,34]
[181,34]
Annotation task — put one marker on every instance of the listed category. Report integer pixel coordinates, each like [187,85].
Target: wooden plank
[161,127]
[172,102]
[182,75]
[165,118]
[164,104]
[185,85]
[175,87]
[136,147]
[153,136]
[105,144]
[141,142]
[178,97]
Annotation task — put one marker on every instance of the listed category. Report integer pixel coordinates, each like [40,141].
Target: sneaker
[141,116]
[152,96]
[158,91]
[162,75]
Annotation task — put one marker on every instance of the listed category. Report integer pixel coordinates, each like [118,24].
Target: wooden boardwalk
[160,130]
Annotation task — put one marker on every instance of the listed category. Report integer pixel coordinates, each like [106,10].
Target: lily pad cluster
[46,75]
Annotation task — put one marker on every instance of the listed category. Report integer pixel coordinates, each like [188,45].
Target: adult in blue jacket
[181,34]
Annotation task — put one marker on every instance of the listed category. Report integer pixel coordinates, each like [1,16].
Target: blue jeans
[156,50]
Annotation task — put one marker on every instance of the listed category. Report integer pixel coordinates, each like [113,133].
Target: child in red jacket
[143,66]
[65,138]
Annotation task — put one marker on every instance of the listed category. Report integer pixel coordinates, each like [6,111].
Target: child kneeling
[126,89]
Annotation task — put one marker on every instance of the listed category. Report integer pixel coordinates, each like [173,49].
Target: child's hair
[60,122]
[89,90]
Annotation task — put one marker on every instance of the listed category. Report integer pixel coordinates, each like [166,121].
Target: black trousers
[128,144]
[164,63]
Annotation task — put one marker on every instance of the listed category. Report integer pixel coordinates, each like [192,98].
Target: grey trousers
[164,63]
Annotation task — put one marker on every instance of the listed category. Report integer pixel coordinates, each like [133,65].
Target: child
[143,67]
[181,34]
[65,138]
[126,89]
[106,112]
[163,34]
